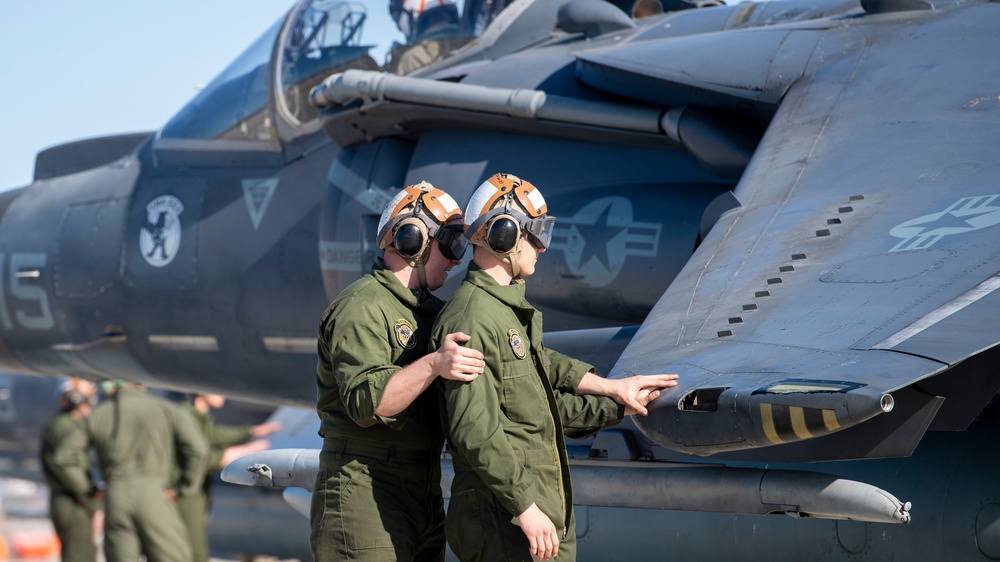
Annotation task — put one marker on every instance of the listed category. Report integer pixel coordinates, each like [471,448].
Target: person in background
[431,28]
[76,520]
[135,436]
[646,8]
[225,443]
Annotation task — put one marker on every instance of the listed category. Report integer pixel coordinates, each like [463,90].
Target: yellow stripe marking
[767,418]
[743,15]
[830,420]
[798,416]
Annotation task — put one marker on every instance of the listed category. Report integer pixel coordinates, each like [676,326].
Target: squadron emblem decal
[404,333]
[516,344]
[160,234]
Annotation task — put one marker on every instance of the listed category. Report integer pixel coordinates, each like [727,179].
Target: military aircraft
[786,203]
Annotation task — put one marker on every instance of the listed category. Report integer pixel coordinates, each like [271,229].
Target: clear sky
[77,69]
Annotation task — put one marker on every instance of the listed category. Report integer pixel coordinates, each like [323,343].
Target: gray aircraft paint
[776,146]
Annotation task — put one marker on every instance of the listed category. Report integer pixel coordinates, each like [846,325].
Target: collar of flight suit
[418,299]
[510,295]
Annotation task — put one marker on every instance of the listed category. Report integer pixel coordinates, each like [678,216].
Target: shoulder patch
[404,333]
[516,344]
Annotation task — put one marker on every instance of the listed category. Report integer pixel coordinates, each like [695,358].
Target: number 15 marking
[23,290]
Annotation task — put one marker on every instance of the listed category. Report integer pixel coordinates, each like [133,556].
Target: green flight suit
[70,518]
[427,51]
[135,436]
[378,491]
[505,429]
[194,507]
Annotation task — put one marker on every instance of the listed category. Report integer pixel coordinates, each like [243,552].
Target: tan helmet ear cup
[502,234]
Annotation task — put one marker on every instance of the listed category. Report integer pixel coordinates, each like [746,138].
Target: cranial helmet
[501,209]
[417,215]
[409,14]
[72,392]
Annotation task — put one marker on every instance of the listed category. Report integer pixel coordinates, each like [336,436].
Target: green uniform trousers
[488,533]
[194,512]
[72,523]
[139,519]
[378,508]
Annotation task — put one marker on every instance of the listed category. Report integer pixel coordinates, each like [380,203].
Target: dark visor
[452,241]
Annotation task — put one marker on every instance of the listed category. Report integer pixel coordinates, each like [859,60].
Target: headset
[410,234]
[72,399]
[410,237]
[517,208]
[502,234]
[504,229]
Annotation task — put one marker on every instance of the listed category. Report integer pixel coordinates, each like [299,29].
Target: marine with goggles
[511,497]
[378,492]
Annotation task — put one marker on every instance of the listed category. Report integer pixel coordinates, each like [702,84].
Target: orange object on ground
[35,544]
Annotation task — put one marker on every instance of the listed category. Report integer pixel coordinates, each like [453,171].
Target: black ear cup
[70,400]
[502,234]
[409,240]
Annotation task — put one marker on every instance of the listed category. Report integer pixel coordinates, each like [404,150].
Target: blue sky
[71,70]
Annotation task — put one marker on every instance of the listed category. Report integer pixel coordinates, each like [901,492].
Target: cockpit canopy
[262,97]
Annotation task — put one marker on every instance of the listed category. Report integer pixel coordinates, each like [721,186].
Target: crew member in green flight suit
[226,443]
[73,520]
[511,497]
[135,436]
[378,492]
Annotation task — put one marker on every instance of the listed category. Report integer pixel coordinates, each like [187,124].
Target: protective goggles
[452,241]
[539,231]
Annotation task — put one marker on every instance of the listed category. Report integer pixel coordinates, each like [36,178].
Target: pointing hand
[635,392]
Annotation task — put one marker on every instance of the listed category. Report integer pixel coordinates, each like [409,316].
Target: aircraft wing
[848,303]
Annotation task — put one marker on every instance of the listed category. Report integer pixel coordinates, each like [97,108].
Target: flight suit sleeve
[472,421]
[222,436]
[362,364]
[191,451]
[70,465]
[581,416]
[51,437]
[565,373]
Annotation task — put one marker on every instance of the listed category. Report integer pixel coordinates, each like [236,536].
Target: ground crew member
[511,497]
[135,436]
[432,31]
[225,443]
[646,8]
[73,521]
[378,491]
